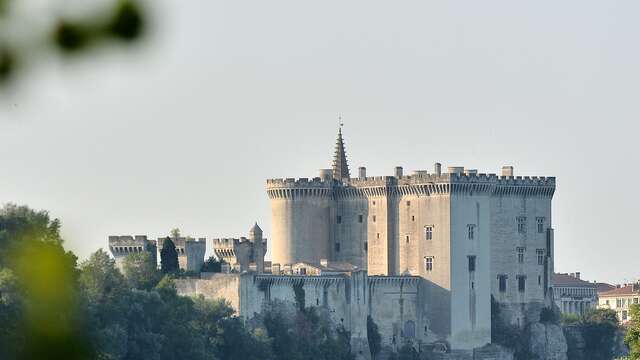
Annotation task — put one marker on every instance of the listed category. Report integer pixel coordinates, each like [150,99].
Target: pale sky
[184,130]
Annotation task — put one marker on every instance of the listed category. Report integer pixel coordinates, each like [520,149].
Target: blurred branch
[123,21]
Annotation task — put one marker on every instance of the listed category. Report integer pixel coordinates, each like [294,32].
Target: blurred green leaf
[127,22]
[7,63]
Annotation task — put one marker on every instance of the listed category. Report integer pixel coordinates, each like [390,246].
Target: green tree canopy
[140,271]
[169,257]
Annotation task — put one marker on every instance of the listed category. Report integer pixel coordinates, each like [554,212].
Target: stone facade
[620,299]
[243,254]
[472,235]
[573,295]
[190,252]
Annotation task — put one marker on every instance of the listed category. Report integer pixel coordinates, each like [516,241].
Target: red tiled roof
[624,290]
[603,287]
[568,280]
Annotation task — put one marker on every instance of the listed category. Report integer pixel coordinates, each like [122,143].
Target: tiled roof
[623,290]
[568,280]
[603,287]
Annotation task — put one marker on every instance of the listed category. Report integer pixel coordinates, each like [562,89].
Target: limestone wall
[213,286]
[505,240]
[349,232]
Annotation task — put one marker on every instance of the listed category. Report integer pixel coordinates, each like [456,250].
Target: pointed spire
[340,166]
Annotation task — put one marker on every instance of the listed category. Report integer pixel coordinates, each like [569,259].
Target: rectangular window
[618,303]
[540,256]
[366,246]
[359,218]
[408,203]
[520,252]
[339,219]
[378,236]
[413,218]
[635,300]
[407,239]
[540,223]
[337,247]
[624,315]
[471,231]
[539,280]
[428,232]
[472,263]
[522,224]
[521,282]
[502,283]
[606,302]
[428,263]
[374,218]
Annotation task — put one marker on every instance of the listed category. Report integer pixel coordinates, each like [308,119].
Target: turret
[259,247]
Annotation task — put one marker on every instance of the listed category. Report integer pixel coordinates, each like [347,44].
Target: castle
[421,254]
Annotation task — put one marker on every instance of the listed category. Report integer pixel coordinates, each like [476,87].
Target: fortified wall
[401,305]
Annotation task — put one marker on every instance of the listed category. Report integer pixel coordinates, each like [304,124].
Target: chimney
[362,172]
[578,275]
[507,171]
[398,171]
[437,169]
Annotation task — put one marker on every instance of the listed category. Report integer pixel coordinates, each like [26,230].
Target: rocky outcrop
[546,342]
[575,343]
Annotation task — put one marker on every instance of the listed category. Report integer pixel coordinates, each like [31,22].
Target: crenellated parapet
[295,188]
[423,184]
[241,253]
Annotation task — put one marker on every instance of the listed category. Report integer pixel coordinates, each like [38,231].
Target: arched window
[409,329]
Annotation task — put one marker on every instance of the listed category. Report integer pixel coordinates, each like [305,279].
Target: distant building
[122,246]
[243,254]
[190,252]
[604,287]
[573,295]
[620,299]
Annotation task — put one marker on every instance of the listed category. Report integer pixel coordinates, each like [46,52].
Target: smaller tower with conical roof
[259,247]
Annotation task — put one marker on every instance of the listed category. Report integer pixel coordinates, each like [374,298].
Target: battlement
[181,243]
[300,182]
[122,245]
[457,180]
[228,243]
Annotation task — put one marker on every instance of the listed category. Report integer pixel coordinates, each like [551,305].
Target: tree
[169,257]
[123,20]
[21,226]
[212,265]
[140,271]
[632,338]
[174,233]
[599,327]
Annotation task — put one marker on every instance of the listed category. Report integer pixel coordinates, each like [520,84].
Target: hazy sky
[183,131]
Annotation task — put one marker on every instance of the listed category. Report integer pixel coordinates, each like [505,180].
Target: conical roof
[255,229]
[340,166]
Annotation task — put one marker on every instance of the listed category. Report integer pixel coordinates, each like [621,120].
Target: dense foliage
[51,308]
[212,265]
[598,328]
[632,338]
